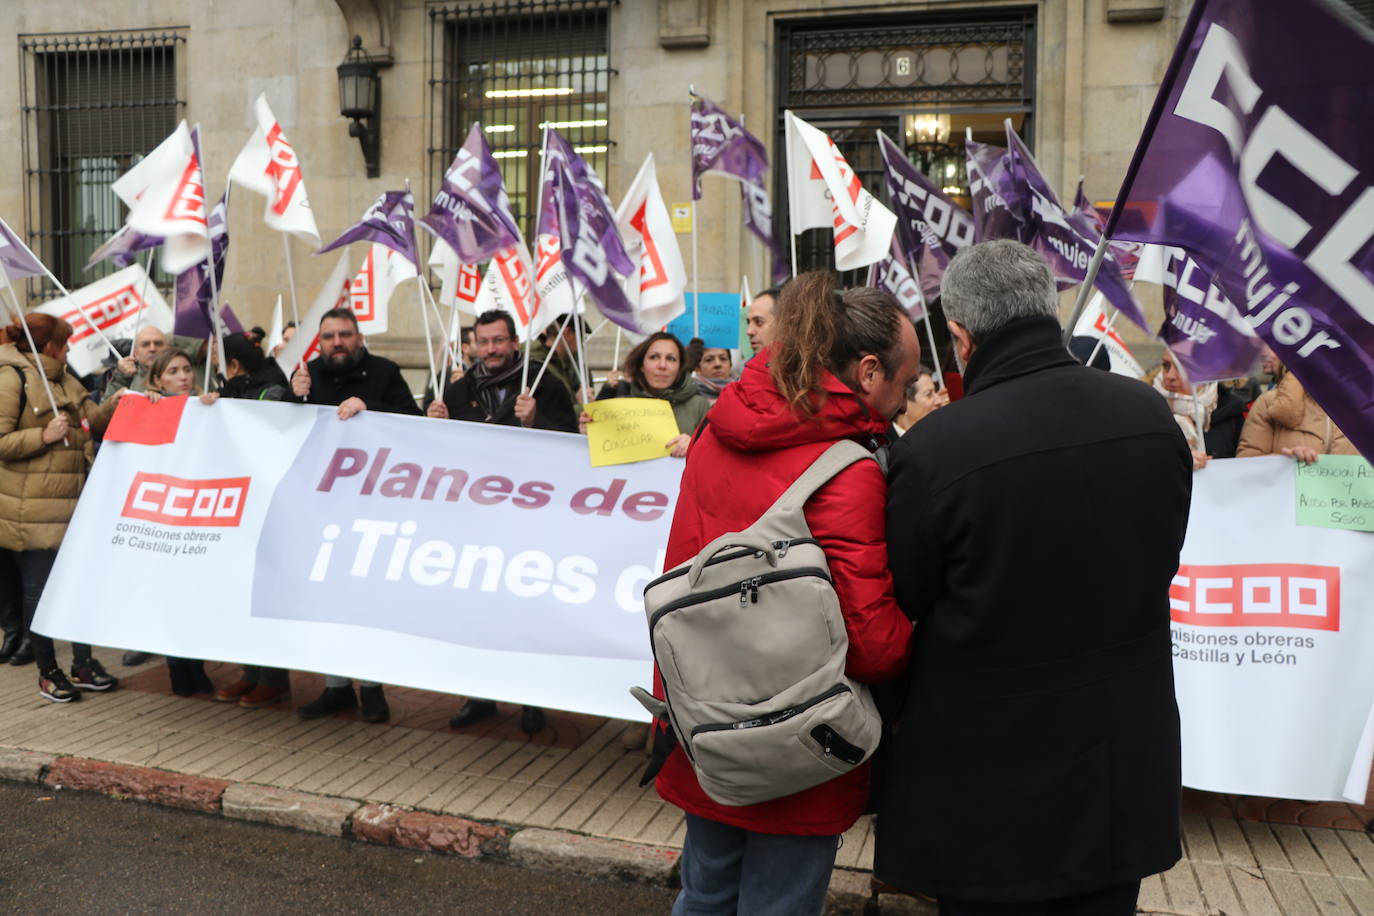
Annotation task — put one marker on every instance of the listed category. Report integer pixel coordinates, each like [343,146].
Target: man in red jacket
[837,369]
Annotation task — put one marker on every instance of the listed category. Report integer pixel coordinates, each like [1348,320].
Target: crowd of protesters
[820,377]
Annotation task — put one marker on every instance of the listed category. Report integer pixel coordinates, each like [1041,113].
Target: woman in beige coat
[1286,420]
[44,457]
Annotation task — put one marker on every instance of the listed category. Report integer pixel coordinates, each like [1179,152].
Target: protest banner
[719,321]
[461,557]
[113,303]
[1272,640]
[625,430]
[1337,492]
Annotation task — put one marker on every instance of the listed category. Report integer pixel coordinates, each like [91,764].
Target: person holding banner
[47,423]
[1038,674]
[490,391]
[559,349]
[1216,408]
[837,369]
[657,368]
[1286,420]
[347,376]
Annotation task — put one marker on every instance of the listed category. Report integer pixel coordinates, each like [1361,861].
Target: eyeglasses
[491,341]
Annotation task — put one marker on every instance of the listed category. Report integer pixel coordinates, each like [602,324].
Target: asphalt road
[76,853]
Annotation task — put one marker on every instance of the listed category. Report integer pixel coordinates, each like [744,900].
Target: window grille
[94,104]
[850,75]
[514,65]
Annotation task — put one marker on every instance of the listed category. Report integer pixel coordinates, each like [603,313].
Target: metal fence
[93,104]
[513,66]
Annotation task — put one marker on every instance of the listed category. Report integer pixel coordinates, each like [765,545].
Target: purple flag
[194,294]
[123,247]
[996,207]
[893,274]
[15,257]
[1065,240]
[471,212]
[932,227]
[721,146]
[1256,160]
[582,218]
[387,222]
[1202,328]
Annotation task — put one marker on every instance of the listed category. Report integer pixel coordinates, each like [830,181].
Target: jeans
[1118,900]
[11,594]
[729,871]
[34,567]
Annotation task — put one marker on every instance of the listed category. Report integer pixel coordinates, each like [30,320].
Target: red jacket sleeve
[847,516]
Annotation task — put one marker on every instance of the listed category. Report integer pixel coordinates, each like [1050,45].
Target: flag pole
[142,300]
[216,326]
[583,378]
[791,191]
[429,339]
[538,216]
[290,277]
[692,210]
[562,325]
[1086,290]
[930,331]
[79,307]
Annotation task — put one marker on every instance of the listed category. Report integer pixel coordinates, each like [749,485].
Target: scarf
[491,388]
[1192,412]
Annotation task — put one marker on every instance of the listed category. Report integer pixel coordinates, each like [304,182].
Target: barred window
[515,65]
[94,104]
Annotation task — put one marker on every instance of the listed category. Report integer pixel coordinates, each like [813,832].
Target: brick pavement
[580,777]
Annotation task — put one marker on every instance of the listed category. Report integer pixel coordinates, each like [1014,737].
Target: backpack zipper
[781,546]
[726,590]
[773,718]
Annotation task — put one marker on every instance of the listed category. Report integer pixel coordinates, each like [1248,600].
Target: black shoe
[334,699]
[10,644]
[133,657]
[24,654]
[374,708]
[531,719]
[53,685]
[473,711]
[91,675]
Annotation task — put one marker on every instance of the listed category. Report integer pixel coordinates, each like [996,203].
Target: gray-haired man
[1034,763]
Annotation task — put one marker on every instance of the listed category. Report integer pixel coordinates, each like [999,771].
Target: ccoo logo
[1292,595]
[189,503]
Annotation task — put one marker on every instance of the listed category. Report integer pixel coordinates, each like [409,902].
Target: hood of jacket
[10,355]
[751,414]
[1018,348]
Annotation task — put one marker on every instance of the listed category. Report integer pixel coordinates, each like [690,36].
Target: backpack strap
[787,508]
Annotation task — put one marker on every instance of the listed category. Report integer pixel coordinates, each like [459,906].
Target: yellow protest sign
[624,430]
[681,215]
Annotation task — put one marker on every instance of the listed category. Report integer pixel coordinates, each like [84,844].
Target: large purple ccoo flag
[388,222]
[1257,161]
[123,247]
[1127,254]
[996,207]
[15,257]
[1065,240]
[591,248]
[721,146]
[471,212]
[932,228]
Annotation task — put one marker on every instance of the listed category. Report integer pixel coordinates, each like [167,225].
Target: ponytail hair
[45,330]
[820,329]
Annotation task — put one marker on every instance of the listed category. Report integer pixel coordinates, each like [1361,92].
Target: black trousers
[1118,900]
[34,567]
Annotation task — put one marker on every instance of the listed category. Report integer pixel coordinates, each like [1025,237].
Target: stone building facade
[100,83]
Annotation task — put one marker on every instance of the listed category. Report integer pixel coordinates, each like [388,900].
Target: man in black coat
[348,377]
[1033,530]
[490,392]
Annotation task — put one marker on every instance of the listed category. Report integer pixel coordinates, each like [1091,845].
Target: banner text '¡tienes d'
[408,480]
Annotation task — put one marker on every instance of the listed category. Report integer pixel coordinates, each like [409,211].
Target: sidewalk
[565,798]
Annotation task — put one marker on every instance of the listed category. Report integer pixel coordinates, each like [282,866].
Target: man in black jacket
[1033,764]
[490,393]
[347,376]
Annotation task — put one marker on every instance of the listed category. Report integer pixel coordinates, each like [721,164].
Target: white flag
[113,304]
[305,345]
[552,284]
[509,286]
[374,284]
[1093,323]
[458,283]
[655,289]
[268,166]
[275,335]
[824,191]
[165,193]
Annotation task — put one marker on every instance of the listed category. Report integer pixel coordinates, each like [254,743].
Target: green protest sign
[1336,492]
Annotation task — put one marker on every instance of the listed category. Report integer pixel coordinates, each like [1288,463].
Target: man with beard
[490,393]
[348,377]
